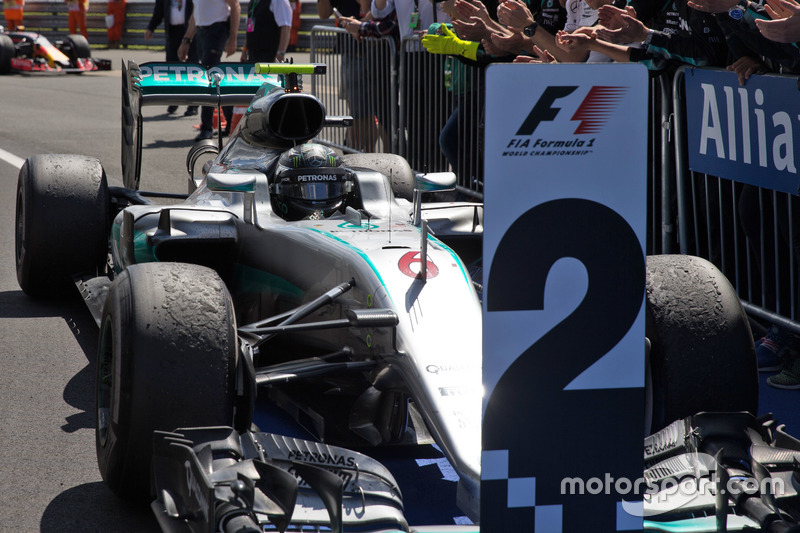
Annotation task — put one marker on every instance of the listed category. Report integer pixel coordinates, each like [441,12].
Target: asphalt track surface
[49,479]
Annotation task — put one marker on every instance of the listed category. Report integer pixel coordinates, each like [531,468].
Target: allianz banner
[745,133]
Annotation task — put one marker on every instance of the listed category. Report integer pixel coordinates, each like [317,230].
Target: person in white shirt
[216,25]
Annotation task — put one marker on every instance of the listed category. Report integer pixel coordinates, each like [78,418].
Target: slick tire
[62,222]
[702,356]
[167,358]
[7,53]
[395,167]
[76,47]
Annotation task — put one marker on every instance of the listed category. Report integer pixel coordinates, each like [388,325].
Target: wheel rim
[105,382]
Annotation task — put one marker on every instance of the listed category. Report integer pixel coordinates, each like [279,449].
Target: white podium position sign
[564,277]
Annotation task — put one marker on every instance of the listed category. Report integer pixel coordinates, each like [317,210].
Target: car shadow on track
[92,507]
[182,143]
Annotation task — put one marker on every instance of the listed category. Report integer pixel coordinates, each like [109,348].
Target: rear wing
[157,83]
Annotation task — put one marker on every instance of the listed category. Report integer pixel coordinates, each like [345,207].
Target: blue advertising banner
[745,133]
[564,276]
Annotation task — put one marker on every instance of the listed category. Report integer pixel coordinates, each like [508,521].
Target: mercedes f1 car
[335,284]
[29,52]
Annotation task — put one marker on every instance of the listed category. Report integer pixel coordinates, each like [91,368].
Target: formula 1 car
[33,53]
[335,284]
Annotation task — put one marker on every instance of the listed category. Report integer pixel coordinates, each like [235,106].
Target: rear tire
[166,359]
[395,167]
[702,356]
[62,222]
[7,53]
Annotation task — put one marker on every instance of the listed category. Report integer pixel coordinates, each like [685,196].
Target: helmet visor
[314,190]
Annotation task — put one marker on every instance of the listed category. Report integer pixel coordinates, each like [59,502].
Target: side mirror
[435,182]
[429,182]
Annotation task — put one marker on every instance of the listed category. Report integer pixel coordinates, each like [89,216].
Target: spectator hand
[785,26]
[621,26]
[610,16]
[744,67]
[148,35]
[514,14]
[781,9]
[230,47]
[473,8]
[712,6]
[183,51]
[448,43]
[510,43]
[540,56]
[473,29]
[351,26]
[574,42]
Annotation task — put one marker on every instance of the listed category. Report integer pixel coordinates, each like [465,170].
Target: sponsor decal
[436,369]
[193,74]
[453,391]
[307,456]
[746,133]
[592,114]
[413,259]
[319,177]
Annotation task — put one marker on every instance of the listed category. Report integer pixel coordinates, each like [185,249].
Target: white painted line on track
[11,159]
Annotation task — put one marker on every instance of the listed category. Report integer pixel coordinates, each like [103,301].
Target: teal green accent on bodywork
[702,524]
[115,234]
[364,225]
[252,280]
[360,252]
[143,252]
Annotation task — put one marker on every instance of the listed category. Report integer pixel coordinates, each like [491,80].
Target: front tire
[76,47]
[702,356]
[62,222]
[166,359]
[7,53]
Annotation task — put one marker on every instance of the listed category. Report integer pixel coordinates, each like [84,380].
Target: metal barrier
[750,233]
[408,98]
[361,82]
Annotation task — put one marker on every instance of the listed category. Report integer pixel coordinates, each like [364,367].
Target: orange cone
[238,113]
[216,120]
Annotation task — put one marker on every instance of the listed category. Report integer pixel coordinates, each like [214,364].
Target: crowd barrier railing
[740,210]
[361,81]
[737,184]
[409,96]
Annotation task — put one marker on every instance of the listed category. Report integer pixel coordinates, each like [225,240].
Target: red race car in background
[30,52]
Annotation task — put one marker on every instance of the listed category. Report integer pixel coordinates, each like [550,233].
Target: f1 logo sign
[593,112]
[544,110]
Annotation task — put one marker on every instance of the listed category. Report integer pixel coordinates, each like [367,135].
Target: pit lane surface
[48,472]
